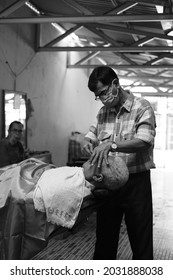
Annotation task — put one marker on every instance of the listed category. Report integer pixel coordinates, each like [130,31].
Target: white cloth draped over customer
[59,193]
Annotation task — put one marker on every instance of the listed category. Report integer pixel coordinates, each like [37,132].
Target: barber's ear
[98,178]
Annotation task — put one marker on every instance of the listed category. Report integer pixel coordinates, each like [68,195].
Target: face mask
[111,99]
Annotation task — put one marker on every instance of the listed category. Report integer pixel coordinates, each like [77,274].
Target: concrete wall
[60,98]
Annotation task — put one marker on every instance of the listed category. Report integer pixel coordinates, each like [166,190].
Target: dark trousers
[134,201]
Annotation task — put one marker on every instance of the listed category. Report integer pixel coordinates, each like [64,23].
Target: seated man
[11,148]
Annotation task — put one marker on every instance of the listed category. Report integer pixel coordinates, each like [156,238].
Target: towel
[59,192]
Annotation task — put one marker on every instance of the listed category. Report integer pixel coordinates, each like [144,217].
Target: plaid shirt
[135,119]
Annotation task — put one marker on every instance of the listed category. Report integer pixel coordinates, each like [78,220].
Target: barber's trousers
[134,201]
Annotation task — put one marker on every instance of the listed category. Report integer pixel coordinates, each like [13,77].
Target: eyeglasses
[17,130]
[105,92]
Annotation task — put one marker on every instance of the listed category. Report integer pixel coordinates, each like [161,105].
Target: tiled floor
[79,245]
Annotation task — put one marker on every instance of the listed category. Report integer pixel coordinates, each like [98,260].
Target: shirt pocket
[127,135]
[104,135]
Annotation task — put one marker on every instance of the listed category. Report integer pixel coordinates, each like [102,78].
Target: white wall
[61,100]
[62,104]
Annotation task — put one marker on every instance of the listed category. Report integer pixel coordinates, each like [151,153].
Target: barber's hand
[87,147]
[100,152]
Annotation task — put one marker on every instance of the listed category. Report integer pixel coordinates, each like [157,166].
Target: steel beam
[125,67]
[86,58]
[146,77]
[89,19]
[12,8]
[122,8]
[153,49]
[152,2]
[130,31]
[63,36]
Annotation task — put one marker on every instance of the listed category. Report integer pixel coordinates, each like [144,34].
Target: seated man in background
[11,148]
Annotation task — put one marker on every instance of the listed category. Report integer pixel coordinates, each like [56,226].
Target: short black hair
[14,122]
[103,74]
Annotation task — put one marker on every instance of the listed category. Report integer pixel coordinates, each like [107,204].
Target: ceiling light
[32,7]
[170,42]
[72,36]
[159,9]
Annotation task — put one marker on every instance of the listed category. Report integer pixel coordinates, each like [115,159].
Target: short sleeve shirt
[10,154]
[135,119]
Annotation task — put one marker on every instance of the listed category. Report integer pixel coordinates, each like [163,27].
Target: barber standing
[125,127]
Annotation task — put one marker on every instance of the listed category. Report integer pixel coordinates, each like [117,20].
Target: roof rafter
[128,49]
[87,19]
[80,9]
[124,67]
[131,31]
[12,8]
[152,2]
[122,8]
[115,33]
[63,36]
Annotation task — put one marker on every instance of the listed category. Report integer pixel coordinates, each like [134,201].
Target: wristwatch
[113,147]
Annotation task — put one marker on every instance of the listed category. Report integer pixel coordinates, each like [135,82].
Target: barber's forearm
[131,146]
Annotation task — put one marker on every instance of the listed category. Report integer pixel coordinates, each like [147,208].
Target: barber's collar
[127,104]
